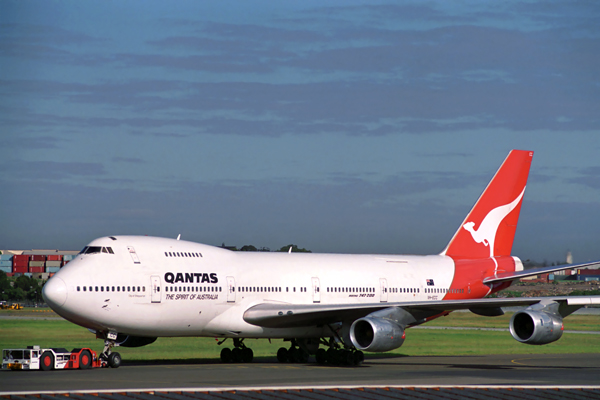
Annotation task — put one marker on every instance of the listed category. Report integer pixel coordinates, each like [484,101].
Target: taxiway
[495,370]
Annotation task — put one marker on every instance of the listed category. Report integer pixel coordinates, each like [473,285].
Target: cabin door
[133,254]
[384,290]
[230,289]
[316,290]
[155,285]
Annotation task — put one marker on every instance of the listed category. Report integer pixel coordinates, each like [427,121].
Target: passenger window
[78,289]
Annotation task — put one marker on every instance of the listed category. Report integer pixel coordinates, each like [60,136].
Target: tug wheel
[85,359]
[47,361]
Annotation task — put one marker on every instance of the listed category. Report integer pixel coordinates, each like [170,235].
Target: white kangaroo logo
[486,233]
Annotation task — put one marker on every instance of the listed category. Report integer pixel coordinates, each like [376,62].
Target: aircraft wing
[283,315]
[511,276]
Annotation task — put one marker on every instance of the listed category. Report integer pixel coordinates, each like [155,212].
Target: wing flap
[577,300]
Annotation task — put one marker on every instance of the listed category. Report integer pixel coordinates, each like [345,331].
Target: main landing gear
[294,354]
[298,352]
[239,354]
[338,356]
[335,355]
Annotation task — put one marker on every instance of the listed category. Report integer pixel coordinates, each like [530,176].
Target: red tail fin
[490,227]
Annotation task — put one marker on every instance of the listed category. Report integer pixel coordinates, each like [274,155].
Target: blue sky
[343,126]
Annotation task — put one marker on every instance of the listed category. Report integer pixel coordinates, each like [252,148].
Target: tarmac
[510,371]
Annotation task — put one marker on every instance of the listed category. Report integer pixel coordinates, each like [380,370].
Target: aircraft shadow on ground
[214,361]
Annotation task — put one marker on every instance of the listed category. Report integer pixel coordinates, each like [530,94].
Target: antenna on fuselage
[179,236]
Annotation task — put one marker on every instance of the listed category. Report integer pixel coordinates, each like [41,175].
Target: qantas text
[191,277]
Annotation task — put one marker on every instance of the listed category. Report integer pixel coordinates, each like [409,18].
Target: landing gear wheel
[236,355]
[282,355]
[226,356]
[321,356]
[302,356]
[247,355]
[47,361]
[332,356]
[293,355]
[85,360]
[359,357]
[114,360]
[347,357]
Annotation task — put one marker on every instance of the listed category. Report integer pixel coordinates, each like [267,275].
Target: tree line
[20,289]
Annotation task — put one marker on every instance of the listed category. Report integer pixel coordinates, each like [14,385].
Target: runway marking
[516,362]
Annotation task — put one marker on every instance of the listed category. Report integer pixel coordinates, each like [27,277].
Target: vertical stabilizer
[489,229]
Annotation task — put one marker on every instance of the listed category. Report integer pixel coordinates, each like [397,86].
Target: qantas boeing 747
[130,290]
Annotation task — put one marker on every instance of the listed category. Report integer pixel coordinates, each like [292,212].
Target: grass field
[46,331]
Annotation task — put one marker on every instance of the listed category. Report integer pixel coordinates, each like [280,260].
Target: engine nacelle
[133,341]
[376,334]
[536,327]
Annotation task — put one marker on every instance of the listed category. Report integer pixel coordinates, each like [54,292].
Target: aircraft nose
[55,292]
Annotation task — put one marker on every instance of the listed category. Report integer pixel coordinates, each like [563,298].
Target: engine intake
[376,334]
[536,327]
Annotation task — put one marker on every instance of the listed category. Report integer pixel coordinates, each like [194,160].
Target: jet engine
[536,327]
[133,341]
[376,334]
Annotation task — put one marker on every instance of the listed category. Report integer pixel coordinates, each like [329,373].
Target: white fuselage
[151,286]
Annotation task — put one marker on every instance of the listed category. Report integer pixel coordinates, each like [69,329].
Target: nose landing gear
[112,358]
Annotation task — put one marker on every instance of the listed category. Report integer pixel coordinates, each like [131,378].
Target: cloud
[46,43]
[128,160]
[590,177]
[40,171]
[347,215]
[29,143]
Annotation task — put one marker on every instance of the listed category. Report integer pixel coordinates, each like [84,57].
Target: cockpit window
[96,249]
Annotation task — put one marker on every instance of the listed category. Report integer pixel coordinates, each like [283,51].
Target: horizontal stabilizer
[511,276]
